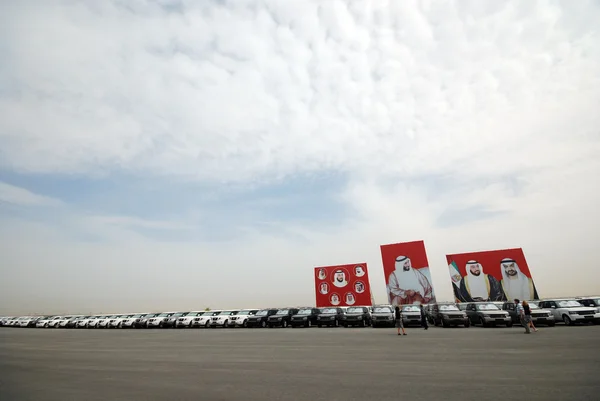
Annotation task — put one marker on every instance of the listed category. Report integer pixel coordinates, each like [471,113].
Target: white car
[103,322]
[241,318]
[143,322]
[159,320]
[570,311]
[53,323]
[26,321]
[93,323]
[188,320]
[205,319]
[43,322]
[83,322]
[133,321]
[117,322]
[222,319]
[68,321]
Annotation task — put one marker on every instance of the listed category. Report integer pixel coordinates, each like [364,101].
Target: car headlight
[572,312]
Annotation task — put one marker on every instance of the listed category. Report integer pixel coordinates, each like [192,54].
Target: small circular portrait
[350,298]
[324,288]
[359,287]
[340,278]
[335,299]
[359,271]
[322,274]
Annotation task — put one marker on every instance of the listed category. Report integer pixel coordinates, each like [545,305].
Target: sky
[177,155]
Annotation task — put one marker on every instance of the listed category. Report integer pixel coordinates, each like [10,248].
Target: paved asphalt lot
[560,363]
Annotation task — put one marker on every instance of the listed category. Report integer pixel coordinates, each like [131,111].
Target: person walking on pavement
[399,322]
[424,323]
[521,314]
[528,318]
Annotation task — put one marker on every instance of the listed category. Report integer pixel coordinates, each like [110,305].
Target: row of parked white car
[548,311]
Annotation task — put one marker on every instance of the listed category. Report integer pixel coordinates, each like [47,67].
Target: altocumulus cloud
[179,154]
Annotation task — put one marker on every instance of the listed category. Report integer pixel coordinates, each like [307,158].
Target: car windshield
[177,314]
[164,315]
[225,313]
[136,316]
[487,307]
[382,309]
[305,311]
[448,307]
[329,310]
[355,310]
[533,306]
[244,312]
[569,304]
[262,313]
[283,311]
[411,309]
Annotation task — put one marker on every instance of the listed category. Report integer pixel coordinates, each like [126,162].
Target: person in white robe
[477,286]
[407,285]
[515,284]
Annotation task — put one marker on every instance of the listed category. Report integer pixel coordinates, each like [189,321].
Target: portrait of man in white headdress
[515,284]
[359,287]
[339,279]
[350,300]
[359,271]
[477,286]
[324,288]
[335,299]
[407,285]
[322,274]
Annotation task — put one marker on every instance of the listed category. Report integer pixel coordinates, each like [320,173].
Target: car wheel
[284,324]
[445,324]
[120,326]
[363,323]
[336,323]
[567,320]
[482,322]
[207,324]
[467,323]
[263,324]
[226,324]
[245,324]
[509,324]
[320,325]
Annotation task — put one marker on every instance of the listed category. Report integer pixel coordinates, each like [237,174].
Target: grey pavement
[560,363]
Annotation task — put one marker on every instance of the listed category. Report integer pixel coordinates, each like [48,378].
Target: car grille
[590,312]
[455,316]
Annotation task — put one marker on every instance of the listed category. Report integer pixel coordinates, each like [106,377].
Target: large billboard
[406,272]
[343,285]
[498,275]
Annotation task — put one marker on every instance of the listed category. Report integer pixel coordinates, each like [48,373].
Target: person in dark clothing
[424,323]
[399,322]
[528,319]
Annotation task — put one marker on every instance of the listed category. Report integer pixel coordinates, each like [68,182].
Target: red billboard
[406,271]
[498,275]
[343,285]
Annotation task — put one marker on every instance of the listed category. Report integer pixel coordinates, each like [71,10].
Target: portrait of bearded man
[477,286]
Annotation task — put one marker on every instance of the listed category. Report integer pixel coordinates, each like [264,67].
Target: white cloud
[480,96]
[20,196]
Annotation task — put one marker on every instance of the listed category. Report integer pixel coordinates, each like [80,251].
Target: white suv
[570,311]
[133,321]
[205,319]
[241,318]
[159,320]
[83,322]
[54,322]
[188,320]
[223,318]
